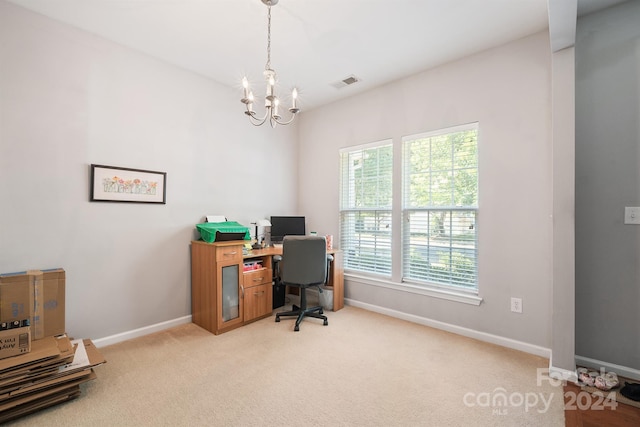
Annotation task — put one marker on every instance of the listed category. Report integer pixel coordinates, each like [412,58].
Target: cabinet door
[230,301]
[257,301]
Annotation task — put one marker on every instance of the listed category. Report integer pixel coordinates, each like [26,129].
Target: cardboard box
[48,308]
[14,342]
[38,295]
[16,297]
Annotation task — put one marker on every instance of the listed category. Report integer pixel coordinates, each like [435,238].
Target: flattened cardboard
[44,393]
[14,342]
[31,398]
[84,354]
[52,382]
[56,366]
[94,358]
[40,367]
[41,350]
[40,402]
[32,402]
[38,370]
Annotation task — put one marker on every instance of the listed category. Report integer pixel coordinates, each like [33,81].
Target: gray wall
[607,180]
[69,99]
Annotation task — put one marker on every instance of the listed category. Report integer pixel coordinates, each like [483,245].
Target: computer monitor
[286,226]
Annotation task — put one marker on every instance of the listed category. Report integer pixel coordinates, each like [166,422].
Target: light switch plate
[632,215]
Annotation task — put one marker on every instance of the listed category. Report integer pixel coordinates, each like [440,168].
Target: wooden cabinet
[223,296]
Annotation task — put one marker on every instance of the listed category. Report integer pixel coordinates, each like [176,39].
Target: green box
[222,231]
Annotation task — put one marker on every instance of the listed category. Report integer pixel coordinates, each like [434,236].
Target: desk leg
[337,281]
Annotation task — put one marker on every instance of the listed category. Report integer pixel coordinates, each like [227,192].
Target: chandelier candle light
[271,101]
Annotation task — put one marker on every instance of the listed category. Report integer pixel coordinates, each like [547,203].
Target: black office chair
[304,264]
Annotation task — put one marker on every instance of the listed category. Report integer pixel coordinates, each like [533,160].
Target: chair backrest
[304,260]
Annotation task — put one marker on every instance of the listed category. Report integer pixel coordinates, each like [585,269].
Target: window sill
[447,294]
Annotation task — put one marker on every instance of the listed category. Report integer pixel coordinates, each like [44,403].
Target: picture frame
[122,185]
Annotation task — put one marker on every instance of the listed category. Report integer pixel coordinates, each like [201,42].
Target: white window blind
[365,207]
[440,207]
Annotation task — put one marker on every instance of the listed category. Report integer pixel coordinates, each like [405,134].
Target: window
[434,213]
[366,207]
[440,207]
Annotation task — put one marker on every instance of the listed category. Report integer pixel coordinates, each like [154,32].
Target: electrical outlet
[516,305]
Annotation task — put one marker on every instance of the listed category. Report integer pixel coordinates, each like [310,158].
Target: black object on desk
[279,289]
[278,294]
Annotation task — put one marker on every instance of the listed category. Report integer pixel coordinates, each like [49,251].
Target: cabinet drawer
[229,253]
[257,277]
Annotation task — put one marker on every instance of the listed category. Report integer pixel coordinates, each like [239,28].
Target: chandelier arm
[258,122]
[293,116]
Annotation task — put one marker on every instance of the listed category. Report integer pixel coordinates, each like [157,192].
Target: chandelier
[271,101]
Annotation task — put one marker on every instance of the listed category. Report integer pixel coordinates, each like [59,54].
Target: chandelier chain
[272,103]
[268,65]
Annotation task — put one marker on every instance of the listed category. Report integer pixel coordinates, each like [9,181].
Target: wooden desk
[224,297]
[336,270]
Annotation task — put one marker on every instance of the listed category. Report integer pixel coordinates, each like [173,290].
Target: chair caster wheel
[326,323]
[297,328]
[277,319]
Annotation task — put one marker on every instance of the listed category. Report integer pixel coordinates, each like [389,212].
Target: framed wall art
[116,184]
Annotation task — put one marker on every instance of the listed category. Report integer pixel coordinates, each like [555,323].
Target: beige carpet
[364,369]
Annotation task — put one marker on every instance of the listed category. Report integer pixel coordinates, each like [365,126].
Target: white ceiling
[315,43]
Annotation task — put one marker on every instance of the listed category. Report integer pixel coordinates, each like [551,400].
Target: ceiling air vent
[347,81]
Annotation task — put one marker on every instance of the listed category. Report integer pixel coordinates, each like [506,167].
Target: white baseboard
[562,374]
[623,371]
[114,339]
[470,333]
